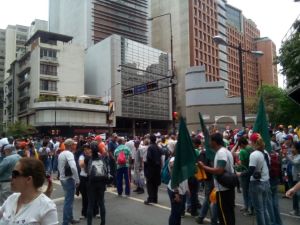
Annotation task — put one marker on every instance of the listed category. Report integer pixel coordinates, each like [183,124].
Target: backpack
[275,167]
[121,159]
[165,173]
[98,170]
[43,155]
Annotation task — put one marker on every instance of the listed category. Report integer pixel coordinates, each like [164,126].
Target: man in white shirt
[225,196]
[69,180]
[172,143]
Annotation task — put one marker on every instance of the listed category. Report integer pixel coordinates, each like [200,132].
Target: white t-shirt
[82,170]
[257,159]
[130,145]
[41,211]
[171,145]
[144,151]
[183,186]
[224,155]
[62,160]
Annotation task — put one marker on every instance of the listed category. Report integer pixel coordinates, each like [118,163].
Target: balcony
[24,83]
[23,96]
[70,102]
[48,59]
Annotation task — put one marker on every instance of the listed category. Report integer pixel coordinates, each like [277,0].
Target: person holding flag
[225,195]
[182,166]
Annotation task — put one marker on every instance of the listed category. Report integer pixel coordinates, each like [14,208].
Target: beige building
[268,73]
[45,88]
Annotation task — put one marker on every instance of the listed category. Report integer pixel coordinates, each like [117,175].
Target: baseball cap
[98,138]
[254,137]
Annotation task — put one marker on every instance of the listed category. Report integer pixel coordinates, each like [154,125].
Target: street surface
[132,211]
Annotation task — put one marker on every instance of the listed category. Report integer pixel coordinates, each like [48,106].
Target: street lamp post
[172,80]
[221,41]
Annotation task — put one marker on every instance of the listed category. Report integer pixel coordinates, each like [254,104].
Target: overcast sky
[273,17]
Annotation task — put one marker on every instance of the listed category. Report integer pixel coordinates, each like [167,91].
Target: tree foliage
[19,129]
[289,57]
[279,107]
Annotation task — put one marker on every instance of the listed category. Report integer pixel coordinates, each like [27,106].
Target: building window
[48,53]
[48,69]
[47,85]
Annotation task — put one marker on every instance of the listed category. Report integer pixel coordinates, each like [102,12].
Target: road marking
[237,204]
[157,205]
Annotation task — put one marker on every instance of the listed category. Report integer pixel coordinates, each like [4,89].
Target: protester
[28,205]
[225,196]
[112,145]
[152,170]
[259,181]
[6,167]
[295,162]
[138,168]
[176,196]
[122,157]
[69,180]
[98,172]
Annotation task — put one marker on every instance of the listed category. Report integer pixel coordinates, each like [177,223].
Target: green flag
[261,125]
[185,158]
[210,154]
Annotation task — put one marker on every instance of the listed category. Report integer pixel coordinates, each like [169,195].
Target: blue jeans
[208,187]
[259,196]
[69,190]
[176,209]
[274,197]
[123,172]
[245,180]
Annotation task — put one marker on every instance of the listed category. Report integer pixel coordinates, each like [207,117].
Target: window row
[47,85]
[48,53]
[48,69]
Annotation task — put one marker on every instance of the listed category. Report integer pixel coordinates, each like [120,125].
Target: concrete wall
[161,39]
[210,99]
[70,17]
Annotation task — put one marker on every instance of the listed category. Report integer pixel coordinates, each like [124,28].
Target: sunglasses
[15,174]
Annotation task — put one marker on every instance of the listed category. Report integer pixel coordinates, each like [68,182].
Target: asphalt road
[132,211]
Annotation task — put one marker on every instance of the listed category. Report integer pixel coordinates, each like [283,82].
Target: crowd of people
[86,166]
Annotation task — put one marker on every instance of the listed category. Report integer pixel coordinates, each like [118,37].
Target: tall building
[45,88]
[16,37]
[193,44]
[115,67]
[91,21]
[244,31]
[2,71]
[267,69]
[200,21]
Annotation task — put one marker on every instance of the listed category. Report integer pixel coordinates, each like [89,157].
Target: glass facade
[142,64]
[234,17]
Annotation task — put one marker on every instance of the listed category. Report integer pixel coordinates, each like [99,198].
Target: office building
[2,71]
[114,66]
[267,66]
[91,21]
[45,88]
[200,21]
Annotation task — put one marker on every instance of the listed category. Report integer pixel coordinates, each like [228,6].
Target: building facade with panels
[91,21]
[45,88]
[200,21]
[2,71]
[117,64]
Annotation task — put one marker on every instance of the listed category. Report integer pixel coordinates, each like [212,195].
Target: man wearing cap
[69,182]
[6,167]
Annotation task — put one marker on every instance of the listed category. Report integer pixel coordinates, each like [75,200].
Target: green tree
[19,129]
[289,57]
[279,107]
